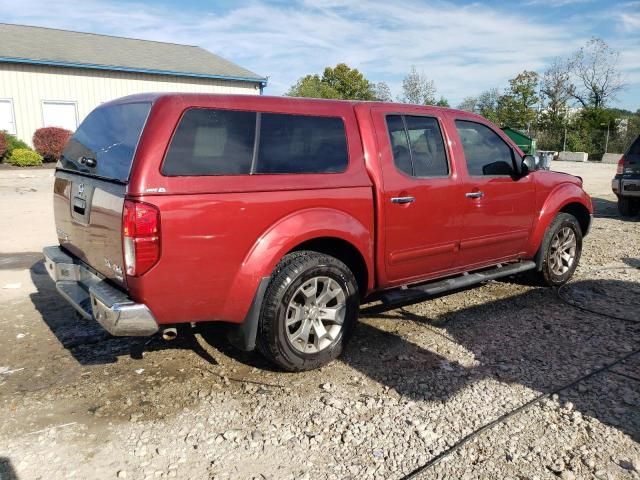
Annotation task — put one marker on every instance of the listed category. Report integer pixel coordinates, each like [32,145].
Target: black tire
[546,275]
[628,207]
[291,274]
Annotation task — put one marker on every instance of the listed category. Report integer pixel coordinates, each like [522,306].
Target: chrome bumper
[94,298]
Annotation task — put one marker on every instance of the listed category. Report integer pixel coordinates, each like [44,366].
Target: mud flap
[244,335]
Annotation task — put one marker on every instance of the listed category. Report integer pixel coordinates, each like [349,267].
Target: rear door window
[212,142]
[105,143]
[485,152]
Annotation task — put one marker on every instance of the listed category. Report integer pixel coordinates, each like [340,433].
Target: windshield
[106,141]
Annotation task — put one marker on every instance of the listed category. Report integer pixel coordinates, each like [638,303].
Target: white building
[54,77]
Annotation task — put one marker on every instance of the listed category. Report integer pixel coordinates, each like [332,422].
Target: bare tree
[382,92]
[595,67]
[468,104]
[418,89]
[557,89]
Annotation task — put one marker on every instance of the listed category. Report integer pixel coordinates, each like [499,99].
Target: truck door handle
[474,194]
[402,200]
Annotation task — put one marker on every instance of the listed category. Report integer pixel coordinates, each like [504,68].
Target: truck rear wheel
[309,311]
[560,251]
[628,207]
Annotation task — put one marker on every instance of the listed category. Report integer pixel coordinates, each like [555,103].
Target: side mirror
[529,164]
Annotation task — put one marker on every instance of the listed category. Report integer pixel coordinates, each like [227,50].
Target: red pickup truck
[281,216]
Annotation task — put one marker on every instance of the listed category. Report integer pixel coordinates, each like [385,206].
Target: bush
[3,145]
[13,143]
[50,142]
[24,157]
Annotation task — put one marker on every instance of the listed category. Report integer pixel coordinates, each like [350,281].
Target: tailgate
[88,213]
[91,185]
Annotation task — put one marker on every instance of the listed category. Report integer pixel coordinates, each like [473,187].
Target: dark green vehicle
[626,183]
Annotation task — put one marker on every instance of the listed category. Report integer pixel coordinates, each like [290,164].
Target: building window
[7,117]
[59,114]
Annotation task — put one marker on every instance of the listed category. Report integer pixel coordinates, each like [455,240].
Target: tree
[516,106]
[557,90]
[595,67]
[468,104]
[417,89]
[312,86]
[487,104]
[382,92]
[338,82]
[348,82]
[443,102]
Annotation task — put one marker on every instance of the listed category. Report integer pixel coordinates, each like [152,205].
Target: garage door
[59,114]
[7,122]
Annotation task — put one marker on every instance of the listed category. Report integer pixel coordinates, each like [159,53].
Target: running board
[418,293]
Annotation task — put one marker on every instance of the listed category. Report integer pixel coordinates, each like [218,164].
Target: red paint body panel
[497,225]
[554,191]
[217,247]
[220,235]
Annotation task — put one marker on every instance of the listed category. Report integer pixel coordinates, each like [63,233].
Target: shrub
[3,145]
[50,142]
[12,143]
[24,157]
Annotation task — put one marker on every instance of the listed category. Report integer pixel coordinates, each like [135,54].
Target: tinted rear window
[212,142]
[223,142]
[301,144]
[108,137]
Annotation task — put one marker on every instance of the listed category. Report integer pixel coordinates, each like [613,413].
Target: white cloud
[465,49]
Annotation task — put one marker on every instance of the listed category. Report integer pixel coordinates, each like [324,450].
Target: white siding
[29,85]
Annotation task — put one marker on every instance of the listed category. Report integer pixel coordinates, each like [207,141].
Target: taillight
[620,169]
[140,237]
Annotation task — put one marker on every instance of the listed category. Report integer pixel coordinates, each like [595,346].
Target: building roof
[63,48]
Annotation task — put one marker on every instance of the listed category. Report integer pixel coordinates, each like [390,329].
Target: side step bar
[418,293]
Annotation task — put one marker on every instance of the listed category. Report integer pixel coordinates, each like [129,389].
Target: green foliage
[348,82]
[311,86]
[12,143]
[340,82]
[487,105]
[24,157]
[443,102]
[516,106]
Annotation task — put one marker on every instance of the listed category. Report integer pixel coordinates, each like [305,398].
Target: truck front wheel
[309,311]
[560,250]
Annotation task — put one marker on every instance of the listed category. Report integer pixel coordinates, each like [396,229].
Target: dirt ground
[412,385]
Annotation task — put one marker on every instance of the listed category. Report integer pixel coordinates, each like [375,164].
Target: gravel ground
[414,382]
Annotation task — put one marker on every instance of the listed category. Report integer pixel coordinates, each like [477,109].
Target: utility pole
[564,142]
[606,141]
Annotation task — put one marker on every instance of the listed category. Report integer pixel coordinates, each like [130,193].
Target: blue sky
[464,46]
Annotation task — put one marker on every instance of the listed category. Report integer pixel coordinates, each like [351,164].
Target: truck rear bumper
[626,186]
[95,299]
